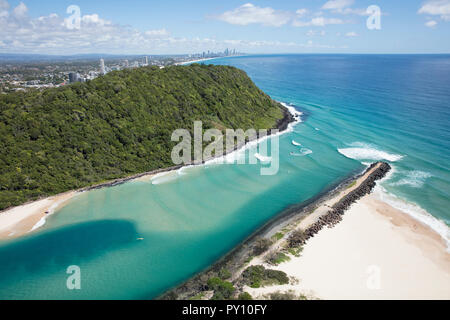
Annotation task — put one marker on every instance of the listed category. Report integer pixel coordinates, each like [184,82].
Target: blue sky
[172,26]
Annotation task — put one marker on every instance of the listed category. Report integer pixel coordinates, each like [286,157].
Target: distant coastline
[205,59]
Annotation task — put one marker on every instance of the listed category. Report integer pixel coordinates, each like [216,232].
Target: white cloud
[251,14]
[431,24]
[351,34]
[312,33]
[317,22]
[337,4]
[342,7]
[94,19]
[4,5]
[21,11]
[157,33]
[301,12]
[49,34]
[437,8]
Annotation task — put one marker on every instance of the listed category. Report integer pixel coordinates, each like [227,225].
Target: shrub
[261,245]
[296,239]
[277,257]
[245,296]
[224,274]
[222,289]
[289,295]
[258,276]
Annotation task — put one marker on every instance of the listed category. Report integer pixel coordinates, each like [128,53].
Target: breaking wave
[414,179]
[361,151]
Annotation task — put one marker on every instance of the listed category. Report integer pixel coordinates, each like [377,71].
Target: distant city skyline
[179,27]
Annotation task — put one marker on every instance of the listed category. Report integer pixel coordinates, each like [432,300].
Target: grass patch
[199,296]
[277,258]
[296,252]
[289,295]
[277,236]
[351,185]
[224,274]
[249,259]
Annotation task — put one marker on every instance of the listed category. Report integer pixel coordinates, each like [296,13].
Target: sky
[250,26]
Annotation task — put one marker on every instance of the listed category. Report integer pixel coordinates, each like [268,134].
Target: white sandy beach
[25,218]
[17,221]
[376,252]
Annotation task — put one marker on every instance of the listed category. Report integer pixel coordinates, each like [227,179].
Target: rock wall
[334,216]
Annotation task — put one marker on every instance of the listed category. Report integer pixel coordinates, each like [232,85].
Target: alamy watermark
[183,153]
[73,281]
[374,277]
[374,20]
[73,22]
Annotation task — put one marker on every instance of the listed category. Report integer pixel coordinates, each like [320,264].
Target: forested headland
[117,125]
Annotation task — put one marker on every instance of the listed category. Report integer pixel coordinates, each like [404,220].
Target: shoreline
[204,59]
[23,219]
[238,257]
[317,217]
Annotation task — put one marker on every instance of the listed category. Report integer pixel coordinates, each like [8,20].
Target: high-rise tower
[102,67]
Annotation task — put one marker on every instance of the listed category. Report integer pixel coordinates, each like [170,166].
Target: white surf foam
[39,224]
[161,177]
[295,143]
[234,156]
[303,152]
[414,179]
[262,158]
[50,211]
[362,151]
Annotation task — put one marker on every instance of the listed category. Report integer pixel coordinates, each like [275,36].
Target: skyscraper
[102,67]
[73,77]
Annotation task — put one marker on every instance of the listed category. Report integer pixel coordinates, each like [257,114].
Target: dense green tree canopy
[117,125]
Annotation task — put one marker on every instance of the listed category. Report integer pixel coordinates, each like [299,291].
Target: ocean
[138,239]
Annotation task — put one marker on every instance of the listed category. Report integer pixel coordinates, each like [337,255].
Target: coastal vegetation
[223,290]
[261,245]
[288,295]
[258,276]
[275,258]
[224,274]
[297,238]
[245,296]
[117,125]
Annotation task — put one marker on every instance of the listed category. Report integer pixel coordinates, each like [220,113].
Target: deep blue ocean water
[356,109]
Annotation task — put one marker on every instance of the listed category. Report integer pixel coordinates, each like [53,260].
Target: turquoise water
[356,109]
